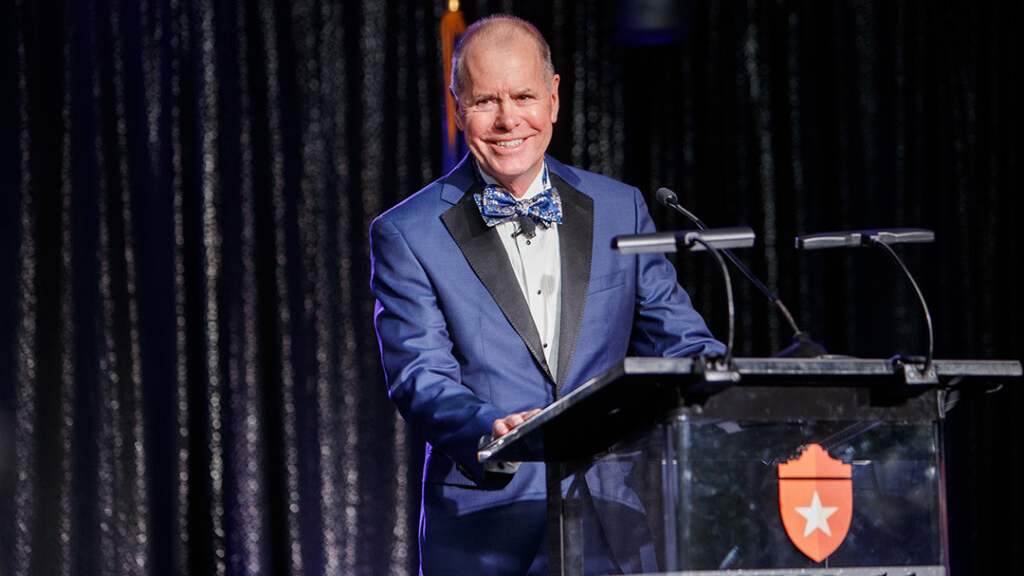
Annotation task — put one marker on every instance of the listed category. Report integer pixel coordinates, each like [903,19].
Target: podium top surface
[603,406]
[828,367]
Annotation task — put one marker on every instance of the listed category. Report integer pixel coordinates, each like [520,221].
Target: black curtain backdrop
[189,378]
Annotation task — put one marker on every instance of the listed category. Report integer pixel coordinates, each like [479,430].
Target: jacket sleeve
[422,372]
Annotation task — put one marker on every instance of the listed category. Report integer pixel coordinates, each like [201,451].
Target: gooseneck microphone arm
[717,253]
[920,296]
[669,199]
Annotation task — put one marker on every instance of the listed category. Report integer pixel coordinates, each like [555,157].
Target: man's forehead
[501,41]
[498,54]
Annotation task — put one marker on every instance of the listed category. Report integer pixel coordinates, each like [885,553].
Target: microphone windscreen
[666,197]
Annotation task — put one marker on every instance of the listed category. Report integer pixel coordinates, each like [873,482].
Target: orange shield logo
[816,501]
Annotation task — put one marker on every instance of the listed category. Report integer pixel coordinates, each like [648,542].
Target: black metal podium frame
[651,396]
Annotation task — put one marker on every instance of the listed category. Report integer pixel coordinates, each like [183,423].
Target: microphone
[802,346]
[527,227]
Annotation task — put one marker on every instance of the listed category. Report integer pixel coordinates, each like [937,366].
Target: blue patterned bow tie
[498,205]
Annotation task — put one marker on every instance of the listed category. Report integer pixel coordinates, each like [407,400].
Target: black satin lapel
[576,240]
[486,256]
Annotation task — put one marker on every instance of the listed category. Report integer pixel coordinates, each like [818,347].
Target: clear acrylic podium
[772,467]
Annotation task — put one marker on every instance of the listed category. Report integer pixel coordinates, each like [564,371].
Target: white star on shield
[816,515]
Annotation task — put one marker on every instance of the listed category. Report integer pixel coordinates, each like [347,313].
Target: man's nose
[507,116]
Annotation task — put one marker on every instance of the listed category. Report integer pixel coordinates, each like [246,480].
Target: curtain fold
[189,377]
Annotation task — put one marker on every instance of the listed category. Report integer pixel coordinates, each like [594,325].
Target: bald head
[498,31]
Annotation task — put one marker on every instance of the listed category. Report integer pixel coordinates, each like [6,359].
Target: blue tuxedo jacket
[460,348]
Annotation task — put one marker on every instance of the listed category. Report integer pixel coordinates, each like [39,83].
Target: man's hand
[502,426]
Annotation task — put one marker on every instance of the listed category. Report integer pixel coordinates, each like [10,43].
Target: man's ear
[554,98]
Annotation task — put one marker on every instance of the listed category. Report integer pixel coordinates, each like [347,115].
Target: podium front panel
[702,493]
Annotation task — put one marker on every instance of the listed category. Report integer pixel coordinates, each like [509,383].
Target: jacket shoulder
[603,189]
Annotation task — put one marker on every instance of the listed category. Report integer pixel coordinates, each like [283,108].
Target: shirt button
[538,292]
[527,242]
[545,344]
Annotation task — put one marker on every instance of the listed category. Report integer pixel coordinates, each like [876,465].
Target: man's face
[507,110]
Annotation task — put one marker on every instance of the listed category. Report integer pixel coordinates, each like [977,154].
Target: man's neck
[523,187]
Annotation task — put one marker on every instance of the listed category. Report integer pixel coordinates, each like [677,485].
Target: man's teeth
[511,143]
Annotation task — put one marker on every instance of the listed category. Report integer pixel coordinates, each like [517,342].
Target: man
[497,292]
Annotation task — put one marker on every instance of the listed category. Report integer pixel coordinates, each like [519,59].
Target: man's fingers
[499,428]
[502,426]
